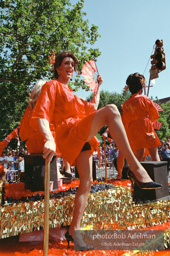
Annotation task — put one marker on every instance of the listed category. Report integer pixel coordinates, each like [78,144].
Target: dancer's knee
[112,110]
[86,185]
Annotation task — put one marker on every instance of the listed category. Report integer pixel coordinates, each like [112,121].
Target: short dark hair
[135,82]
[59,58]
[21,154]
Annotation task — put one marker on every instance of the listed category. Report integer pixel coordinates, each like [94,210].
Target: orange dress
[34,139]
[139,113]
[72,117]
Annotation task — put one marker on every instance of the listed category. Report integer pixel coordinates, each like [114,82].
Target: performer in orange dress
[34,139]
[139,113]
[76,123]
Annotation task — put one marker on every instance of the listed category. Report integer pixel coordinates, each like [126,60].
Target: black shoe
[86,247]
[142,185]
[68,238]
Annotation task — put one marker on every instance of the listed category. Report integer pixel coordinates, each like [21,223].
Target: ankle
[72,231]
[142,175]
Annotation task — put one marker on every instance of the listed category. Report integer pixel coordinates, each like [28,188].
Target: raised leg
[67,166]
[110,116]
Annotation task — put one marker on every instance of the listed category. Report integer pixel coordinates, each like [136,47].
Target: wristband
[7,140]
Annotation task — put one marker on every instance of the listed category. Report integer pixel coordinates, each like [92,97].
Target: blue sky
[129,29]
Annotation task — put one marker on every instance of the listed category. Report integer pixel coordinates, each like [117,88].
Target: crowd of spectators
[13,161]
[164,151]
[112,154]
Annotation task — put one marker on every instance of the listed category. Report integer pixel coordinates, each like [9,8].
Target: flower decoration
[126,88]
[51,59]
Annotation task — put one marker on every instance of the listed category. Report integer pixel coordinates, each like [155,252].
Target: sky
[129,29]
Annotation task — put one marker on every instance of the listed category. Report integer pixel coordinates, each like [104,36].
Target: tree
[164,131]
[30,30]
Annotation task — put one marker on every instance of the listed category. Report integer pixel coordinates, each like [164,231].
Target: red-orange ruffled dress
[34,139]
[72,117]
[138,114]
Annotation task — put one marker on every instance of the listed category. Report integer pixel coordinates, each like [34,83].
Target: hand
[49,150]
[150,136]
[104,135]
[99,80]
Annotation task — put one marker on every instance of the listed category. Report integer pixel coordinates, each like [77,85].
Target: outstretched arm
[8,138]
[96,97]
[49,146]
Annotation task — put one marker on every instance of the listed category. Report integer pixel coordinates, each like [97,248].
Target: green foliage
[98,136]
[29,32]
[164,131]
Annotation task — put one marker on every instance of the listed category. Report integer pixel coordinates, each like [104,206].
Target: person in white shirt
[21,168]
[4,160]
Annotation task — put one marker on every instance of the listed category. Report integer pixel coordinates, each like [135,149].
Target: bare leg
[110,116]
[84,167]
[139,154]
[67,166]
[154,154]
